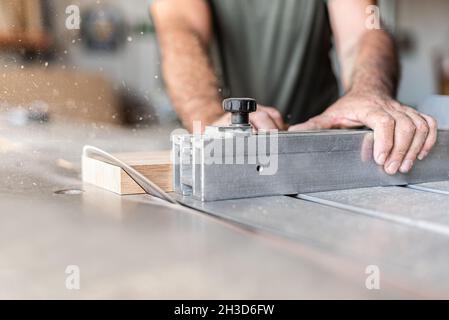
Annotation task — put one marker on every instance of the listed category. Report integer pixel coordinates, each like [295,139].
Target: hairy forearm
[373,66]
[189,76]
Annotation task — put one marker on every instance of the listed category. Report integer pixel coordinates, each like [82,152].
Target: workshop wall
[423,29]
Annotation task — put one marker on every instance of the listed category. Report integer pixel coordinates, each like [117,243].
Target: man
[277,51]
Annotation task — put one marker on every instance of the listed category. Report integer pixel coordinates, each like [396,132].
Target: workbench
[310,246]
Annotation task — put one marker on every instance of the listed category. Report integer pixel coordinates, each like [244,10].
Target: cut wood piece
[156,166]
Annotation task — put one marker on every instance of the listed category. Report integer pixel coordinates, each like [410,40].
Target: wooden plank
[70,95]
[156,166]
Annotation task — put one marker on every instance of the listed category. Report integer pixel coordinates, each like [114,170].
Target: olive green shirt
[277,51]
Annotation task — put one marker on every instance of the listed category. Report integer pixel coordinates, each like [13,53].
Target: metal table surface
[138,247]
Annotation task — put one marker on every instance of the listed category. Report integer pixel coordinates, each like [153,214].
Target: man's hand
[265,118]
[401,134]
[370,73]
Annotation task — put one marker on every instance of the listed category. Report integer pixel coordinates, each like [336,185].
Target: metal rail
[213,168]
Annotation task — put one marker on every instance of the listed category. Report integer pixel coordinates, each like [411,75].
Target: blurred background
[103,70]
[107,68]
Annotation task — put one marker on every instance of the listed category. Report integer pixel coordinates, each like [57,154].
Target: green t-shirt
[277,51]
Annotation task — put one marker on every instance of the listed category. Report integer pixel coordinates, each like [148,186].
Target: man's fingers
[274,114]
[421,132]
[383,125]
[431,137]
[306,126]
[403,137]
[262,121]
[320,122]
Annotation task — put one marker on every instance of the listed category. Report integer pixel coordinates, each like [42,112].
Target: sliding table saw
[254,242]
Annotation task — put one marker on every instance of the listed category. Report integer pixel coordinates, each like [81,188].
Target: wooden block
[156,166]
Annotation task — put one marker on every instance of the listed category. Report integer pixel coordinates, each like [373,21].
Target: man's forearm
[374,66]
[370,72]
[189,77]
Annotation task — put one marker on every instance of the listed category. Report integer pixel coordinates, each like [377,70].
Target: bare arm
[184,32]
[369,68]
[184,29]
[368,58]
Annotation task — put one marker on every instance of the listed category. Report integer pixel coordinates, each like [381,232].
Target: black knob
[240,109]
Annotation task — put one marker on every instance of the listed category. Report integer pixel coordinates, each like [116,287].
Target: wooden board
[67,94]
[156,166]
[22,25]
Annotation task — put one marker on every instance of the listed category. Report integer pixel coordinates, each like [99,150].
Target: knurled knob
[240,108]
